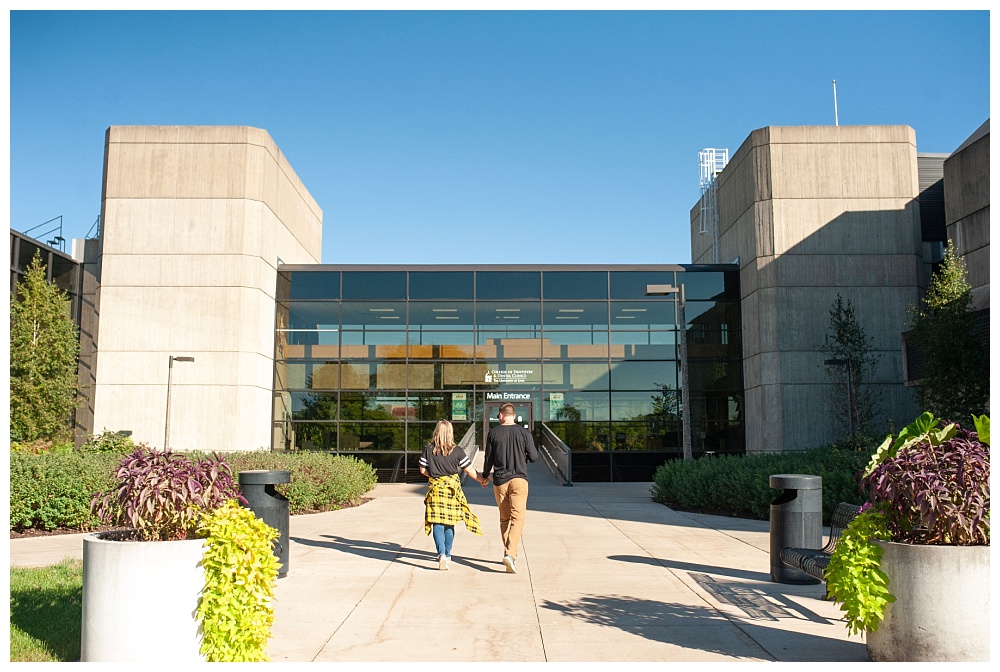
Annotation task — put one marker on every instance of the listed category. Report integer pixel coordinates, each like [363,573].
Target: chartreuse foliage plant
[853,577]
[235,609]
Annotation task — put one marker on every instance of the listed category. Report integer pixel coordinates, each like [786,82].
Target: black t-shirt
[509,448]
[444,465]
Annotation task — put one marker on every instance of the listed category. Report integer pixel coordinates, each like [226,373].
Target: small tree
[43,360]
[956,378]
[855,400]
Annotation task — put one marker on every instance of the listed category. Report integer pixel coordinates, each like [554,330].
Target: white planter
[942,607]
[139,600]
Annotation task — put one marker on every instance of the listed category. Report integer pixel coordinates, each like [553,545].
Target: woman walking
[442,461]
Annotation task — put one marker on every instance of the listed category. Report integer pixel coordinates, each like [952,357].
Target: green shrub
[39,446]
[320,481]
[109,442]
[738,485]
[53,490]
[235,608]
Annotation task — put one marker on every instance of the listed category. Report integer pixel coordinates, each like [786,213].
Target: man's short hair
[507,409]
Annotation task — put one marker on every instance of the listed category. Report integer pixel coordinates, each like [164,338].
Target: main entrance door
[522,410]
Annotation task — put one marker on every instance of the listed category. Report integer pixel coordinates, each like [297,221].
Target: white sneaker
[508,563]
[443,563]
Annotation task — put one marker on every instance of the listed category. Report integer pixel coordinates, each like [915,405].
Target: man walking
[509,448]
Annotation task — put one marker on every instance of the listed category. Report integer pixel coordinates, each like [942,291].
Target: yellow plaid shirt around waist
[445,504]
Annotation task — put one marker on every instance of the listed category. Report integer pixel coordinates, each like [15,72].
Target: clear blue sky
[426,136]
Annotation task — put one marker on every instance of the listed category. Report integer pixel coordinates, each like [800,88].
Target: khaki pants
[512,500]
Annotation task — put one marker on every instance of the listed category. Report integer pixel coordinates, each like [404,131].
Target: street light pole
[170,375]
[662,290]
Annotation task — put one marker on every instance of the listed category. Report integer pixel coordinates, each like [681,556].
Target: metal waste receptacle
[269,505]
[796,520]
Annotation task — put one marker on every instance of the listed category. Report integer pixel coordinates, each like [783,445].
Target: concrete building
[807,213]
[967,210]
[209,248]
[195,221]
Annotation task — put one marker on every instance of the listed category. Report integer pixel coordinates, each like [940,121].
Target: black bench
[814,561]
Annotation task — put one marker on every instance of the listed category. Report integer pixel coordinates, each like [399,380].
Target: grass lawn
[46,609]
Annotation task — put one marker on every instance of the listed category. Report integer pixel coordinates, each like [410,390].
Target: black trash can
[270,506]
[796,520]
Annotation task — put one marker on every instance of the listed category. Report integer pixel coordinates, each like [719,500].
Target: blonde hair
[443,439]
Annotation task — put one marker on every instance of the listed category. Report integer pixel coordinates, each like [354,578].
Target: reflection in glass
[508,285]
[576,375]
[509,316]
[632,284]
[575,284]
[314,284]
[642,315]
[643,375]
[374,285]
[582,315]
[374,315]
[440,284]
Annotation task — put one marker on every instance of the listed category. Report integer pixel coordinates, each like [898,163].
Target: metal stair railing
[558,457]
[468,445]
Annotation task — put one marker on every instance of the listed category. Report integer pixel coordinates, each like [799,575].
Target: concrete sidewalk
[604,574]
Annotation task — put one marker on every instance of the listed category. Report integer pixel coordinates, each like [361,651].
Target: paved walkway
[604,574]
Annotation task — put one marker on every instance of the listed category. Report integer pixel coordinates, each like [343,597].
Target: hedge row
[53,490]
[737,485]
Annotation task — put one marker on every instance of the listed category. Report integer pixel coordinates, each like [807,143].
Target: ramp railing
[557,456]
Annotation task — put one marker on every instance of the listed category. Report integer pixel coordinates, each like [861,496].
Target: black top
[444,465]
[509,448]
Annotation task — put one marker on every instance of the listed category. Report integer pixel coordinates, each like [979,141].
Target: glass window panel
[315,284]
[638,315]
[372,338]
[509,316]
[575,345]
[713,312]
[312,375]
[663,404]
[582,437]
[314,405]
[632,284]
[311,314]
[575,284]
[433,338]
[508,375]
[458,375]
[715,374]
[508,285]
[577,376]
[518,348]
[441,315]
[441,285]
[314,436]
[376,406]
[703,285]
[573,405]
[390,376]
[374,314]
[642,375]
[356,376]
[374,284]
[585,315]
[420,433]
[422,377]
[373,436]
[650,352]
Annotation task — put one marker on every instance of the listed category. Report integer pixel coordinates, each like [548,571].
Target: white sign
[508,396]
[508,376]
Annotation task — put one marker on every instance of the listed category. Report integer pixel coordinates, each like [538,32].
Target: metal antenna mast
[836,121]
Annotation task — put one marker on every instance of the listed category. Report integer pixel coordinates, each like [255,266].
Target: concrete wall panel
[838,226]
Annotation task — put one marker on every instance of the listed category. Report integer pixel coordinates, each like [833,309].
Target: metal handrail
[395,469]
[557,455]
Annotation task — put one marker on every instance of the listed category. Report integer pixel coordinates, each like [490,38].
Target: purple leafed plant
[161,493]
[936,493]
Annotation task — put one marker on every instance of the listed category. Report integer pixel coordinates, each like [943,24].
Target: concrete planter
[139,599]
[942,607]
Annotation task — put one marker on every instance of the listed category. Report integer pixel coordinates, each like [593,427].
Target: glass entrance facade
[368,359]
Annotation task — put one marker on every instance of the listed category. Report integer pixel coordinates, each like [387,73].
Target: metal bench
[814,561]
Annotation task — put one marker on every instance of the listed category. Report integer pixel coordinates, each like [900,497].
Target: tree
[855,400]
[956,377]
[43,360]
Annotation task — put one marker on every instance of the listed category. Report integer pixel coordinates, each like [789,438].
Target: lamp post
[663,290]
[170,374]
[850,390]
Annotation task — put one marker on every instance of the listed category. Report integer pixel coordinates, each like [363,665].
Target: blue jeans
[444,535]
